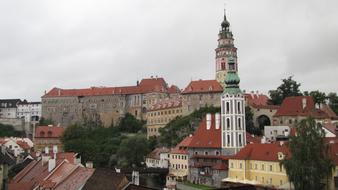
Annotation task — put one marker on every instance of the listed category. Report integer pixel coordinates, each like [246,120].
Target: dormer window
[281,156]
[49,133]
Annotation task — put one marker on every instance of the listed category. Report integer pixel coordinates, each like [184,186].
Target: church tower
[224,51]
[232,111]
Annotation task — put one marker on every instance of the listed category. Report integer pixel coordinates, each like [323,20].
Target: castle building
[224,51]
[106,104]
[161,113]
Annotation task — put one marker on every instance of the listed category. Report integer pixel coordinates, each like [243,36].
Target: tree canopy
[333,101]
[289,87]
[9,131]
[102,145]
[249,122]
[309,163]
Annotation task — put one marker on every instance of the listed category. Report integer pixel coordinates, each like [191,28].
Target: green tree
[318,97]
[289,87]
[132,151]
[309,164]
[9,131]
[333,101]
[130,124]
[250,127]
[44,122]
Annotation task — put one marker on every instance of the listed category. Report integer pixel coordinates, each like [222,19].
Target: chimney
[281,143]
[51,164]
[217,120]
[304,103]
[208,121]
[137,83]
[263,140]
[89,164]
[46,150]
[59,92]
[50,125]
[55,149]
[136,178]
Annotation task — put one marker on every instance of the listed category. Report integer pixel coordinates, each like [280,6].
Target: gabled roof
[145,86]
[203,86]
[166,104]
[331,127]
[174,90]
[155,154]
[325,108]
[181,148]
[256,99]
[24,145]
[262,152]
[206,138]
[252,139]
[106,179]
[48,132]
[293,106]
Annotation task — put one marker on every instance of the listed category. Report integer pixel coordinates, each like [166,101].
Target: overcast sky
[78,43]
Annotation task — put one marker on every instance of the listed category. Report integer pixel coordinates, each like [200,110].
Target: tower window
[239,107]
[228,107]
[223,66]
[228,123]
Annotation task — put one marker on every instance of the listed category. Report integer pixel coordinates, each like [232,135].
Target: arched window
[228,107]
[228,123]
[239,124]
[239,107]
[223,66]
[49,133]
[42,133]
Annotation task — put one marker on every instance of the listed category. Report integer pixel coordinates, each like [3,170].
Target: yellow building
[162,113]
[259,164]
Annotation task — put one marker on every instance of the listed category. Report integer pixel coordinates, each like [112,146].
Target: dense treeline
[9,131]
[124,145]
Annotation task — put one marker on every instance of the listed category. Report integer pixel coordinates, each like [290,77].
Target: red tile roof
[166,104]
[48,132]
[293,106]
[21,186]
[174,90]
[252,139]
[325,108]
[256,99]
[262,152]
[203,86]
[145,86]
[69,156]
[181,148]
[24,145]
[204,138]
[76,179]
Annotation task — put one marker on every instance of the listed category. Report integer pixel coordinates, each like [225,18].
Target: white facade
[13,146]
[8,113]
[272,132]
[233,122]
[30,111]
[163,162]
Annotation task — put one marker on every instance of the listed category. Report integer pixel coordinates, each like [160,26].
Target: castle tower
[232,112]
[224,50]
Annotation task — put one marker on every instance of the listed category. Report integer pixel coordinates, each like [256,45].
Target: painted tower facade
[232,112]
[224,51]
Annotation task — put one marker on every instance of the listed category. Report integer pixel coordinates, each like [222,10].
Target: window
[239,123]
[270,168]
[232,165]
[240,165]
[228,123]
[262,166]
[228,107]
[239,107]
[290,121]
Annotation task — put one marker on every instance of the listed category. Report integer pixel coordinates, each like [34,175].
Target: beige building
[47,138]
[258,164]
[162,113]
[107,104]
[201,93]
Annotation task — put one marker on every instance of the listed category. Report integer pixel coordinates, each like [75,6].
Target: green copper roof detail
[232,83]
